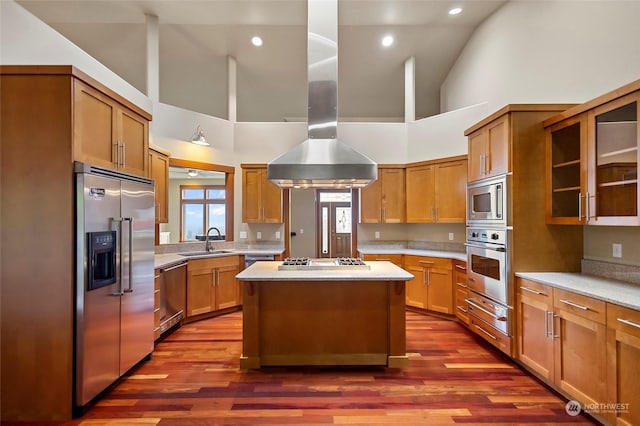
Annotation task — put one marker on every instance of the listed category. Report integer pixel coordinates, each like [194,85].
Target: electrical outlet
[617,250]
[301,231]
[450,236]
[377,234]
[259,235]
[243,235]
[277,235]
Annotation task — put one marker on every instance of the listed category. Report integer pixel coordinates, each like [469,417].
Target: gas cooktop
[306,263]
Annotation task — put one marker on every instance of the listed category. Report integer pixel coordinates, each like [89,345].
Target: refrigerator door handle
[130,263]
[119,220]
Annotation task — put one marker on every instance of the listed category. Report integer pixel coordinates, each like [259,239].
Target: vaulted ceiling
[196,37]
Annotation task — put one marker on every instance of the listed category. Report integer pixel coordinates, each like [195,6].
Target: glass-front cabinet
[567,158]
[592,161]
[613,145]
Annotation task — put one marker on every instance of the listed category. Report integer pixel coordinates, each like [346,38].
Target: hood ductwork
[322,161]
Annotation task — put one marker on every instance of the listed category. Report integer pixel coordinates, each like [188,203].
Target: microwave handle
[499,206]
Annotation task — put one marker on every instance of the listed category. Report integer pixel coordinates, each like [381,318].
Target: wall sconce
[198,137]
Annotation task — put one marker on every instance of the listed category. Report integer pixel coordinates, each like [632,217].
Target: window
[201,207]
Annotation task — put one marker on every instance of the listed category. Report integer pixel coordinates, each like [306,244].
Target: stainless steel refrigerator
[114,277]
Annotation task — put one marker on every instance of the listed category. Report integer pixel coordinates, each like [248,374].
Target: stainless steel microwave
[487,202]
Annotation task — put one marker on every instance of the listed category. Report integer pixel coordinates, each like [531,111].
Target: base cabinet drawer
[491,335]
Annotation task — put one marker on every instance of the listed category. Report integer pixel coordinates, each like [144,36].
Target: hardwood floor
[453,377]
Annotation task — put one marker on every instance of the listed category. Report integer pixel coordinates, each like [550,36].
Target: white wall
[442,135]
[25,40]
[546,52]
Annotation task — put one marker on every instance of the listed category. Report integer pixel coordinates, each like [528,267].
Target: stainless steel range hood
[322,161]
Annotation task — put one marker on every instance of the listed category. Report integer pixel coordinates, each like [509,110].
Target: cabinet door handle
[428,276]
[530,290]
[575,305]
[589,216]
[486,332]
[116,153]
[461,267]
[487,167]
[124,155]
[427,262]
[546,323]
[628,322]
[580,205]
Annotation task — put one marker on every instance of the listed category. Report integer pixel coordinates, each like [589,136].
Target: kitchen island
[323,317]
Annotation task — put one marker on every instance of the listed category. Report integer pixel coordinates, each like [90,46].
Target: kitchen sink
[204,253]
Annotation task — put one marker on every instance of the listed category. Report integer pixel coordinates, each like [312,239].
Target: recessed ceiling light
[257,41]
[387,40]
[455,11]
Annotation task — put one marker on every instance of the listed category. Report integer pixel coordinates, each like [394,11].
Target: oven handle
[472,303]
[489,246]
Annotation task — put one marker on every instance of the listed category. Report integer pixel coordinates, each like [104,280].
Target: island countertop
[379,271]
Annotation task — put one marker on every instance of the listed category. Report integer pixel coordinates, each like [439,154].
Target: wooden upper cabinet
[592,161]
[383,201]
[436,192]
[107,133]
[261,199]
[159,172]
[489,149]
[566,152]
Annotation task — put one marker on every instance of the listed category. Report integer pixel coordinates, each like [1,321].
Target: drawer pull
[629,322]
[486,332]
[383,259]
[460,308]
[491,314]
[428,262]
[461,285]
[575,305]
[461,267]
[530,290]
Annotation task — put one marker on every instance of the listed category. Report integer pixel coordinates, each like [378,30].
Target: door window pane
[343,220]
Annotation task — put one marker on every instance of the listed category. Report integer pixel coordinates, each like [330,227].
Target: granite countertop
[380,271]
[415,252]
[618,292]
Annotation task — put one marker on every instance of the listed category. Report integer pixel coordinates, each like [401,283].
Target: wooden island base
[323,323]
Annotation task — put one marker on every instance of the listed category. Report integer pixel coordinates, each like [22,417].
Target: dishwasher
[251,259]
[173,296]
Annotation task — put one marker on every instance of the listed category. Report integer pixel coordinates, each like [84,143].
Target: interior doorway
[335,226]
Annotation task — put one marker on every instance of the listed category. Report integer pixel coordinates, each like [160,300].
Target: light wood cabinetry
[157,277]
[534,307]
[261,199]
[592,161]
[159,172]
[212,284]
[38,145]
[383,201]
[489,150]
[562,337]
[396,259]
[431,286]
[460,288]
[107,133]
[623,364]
[436,191]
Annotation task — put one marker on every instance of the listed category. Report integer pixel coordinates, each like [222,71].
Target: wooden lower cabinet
[562,337]
[623,364]
[461,306]
[212,284]
[157,277]
[431,286]
[534,303]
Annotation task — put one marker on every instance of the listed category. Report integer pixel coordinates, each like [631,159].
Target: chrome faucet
[208,246]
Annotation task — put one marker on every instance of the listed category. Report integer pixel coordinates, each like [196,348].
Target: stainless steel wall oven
[490,295]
